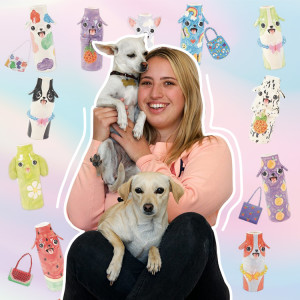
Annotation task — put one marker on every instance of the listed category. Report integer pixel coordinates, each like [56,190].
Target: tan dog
[139,222]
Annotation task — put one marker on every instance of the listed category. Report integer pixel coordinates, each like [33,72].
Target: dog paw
[137,132]
[122,122]
[154,261]
[113,272]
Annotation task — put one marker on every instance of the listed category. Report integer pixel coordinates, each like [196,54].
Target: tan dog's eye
[139,191]
[159,190]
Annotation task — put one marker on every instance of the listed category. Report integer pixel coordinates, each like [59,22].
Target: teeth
[157,105]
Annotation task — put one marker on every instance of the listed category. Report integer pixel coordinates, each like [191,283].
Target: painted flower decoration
[34,190]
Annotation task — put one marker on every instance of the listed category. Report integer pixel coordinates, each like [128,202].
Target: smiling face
[161,97]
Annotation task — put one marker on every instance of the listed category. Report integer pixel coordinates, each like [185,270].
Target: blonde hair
[189,130]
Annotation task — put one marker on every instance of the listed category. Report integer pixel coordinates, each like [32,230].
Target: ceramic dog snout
[265,109]
[275,188]
[40,26]
[192,30]
[91,30]
[253,266]
[270,38]
[27,167]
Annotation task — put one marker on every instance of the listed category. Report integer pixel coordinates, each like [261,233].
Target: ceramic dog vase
[40,26]
[270,38]
[91,30]
[265,109]
[192,30]
[41,114]
[27,167]
[253,267]
[50,255]
[274,186]
[145,24]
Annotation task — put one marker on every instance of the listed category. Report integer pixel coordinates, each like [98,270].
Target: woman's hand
[134,148]
[103,118]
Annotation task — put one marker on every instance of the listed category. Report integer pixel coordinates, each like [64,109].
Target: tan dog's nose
[148,207]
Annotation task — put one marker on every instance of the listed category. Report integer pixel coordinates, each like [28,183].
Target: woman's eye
[169,83]
[145,83]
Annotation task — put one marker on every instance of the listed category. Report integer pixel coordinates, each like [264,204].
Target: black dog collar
[124,74]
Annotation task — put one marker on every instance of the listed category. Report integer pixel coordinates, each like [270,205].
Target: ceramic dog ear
[42,38]
[271,40]
[275,188]
[176,190]
[27,167]
[91,30]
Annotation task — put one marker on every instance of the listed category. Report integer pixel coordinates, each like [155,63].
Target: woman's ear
[12,169]
[176,189]
[125,189]
[43,166]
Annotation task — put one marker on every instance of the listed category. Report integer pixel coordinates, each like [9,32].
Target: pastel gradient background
[231,82]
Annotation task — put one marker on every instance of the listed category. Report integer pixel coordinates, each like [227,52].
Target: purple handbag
[251,212]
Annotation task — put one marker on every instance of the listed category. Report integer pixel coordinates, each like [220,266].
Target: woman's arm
[207,178]
[87,197]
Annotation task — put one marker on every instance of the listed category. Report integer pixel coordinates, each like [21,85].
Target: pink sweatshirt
[206,179]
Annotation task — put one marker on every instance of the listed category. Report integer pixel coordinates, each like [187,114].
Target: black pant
[189,269]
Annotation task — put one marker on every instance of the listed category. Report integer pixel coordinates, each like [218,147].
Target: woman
[173,144]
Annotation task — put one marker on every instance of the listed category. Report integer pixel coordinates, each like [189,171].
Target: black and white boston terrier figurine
[41,111]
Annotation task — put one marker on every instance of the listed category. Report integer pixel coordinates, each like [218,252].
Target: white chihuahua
[129,53]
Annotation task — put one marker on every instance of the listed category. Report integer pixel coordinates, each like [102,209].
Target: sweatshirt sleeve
[207,178]
[87,197]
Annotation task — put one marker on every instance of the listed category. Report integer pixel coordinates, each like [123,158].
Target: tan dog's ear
[176,190]
[125,189]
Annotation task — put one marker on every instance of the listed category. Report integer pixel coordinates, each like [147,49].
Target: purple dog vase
[274,186]
[91,30]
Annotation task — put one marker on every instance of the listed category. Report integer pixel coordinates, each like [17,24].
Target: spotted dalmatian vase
[192,30]
[265,109]
[27,167]
[274,186]
[50,255]
[40,26]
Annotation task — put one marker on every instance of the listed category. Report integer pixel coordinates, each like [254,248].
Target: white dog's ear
[132,22]
[108,49]
[125,189]
[176,190]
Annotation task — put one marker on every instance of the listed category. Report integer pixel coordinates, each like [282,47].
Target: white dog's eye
[131,55]
[277,23]
[145,53]
[159,190]
[139,191]
[32,28]
[263,25]
[248,248]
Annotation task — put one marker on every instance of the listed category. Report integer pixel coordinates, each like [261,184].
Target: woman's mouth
[157,107]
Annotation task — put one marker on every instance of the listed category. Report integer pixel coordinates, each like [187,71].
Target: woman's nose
[156,91]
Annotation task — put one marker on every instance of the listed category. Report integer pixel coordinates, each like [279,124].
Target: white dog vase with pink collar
[41,110]
[274,186]
[40,26]
[271,40]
